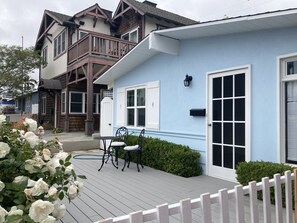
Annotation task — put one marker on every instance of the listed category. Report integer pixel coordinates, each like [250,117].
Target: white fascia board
[163,44]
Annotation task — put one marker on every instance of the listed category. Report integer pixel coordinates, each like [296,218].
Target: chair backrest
[141,138]
[121,133]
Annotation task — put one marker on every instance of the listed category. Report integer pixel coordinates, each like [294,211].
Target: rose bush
[33,180]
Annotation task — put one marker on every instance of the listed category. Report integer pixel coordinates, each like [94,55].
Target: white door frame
[247,70]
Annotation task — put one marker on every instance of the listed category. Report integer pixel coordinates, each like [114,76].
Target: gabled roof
[167,40]
[150,9]
[96,11]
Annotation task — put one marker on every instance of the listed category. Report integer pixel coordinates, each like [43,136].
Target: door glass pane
[228,86]
[217,87]
[228,157]
[228,133]
[240,109]
[217,133]
[228,110]
[239,155]
[141,117]
[217,110]
[291,120]
[240,85]
[240,134]
[130,118]
[130,98]
[217,155]
[141,97]
[291,67]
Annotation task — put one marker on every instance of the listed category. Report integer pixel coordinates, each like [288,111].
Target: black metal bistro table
[106,149]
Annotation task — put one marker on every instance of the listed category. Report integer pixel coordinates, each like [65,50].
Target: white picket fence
[267,213]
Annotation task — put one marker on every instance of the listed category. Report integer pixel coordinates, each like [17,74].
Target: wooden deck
[112,193]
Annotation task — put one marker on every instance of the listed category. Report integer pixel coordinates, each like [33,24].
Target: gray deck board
[112,193]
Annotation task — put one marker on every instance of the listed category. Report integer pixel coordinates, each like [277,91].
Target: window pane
[217,155]
[240,134]
[239,155]
[292,67]
[141,117]
[130,118]
[217,87]
[130,98]
[228,133]
[94,103]
[63,41]
[228,110]
[228,157]
[240,85]
[76,97]
[141,97]
[217,132]
[217,110]
[240,109]
[75,108]
[76,102]
[133,36]
[228,86]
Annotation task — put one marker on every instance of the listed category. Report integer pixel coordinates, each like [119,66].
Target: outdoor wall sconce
[187,80]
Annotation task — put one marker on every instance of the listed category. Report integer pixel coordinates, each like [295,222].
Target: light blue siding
[198,57]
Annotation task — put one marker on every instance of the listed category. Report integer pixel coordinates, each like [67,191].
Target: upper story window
[60,44]
[291,67]
[82,34]
[45,56]
[131,36]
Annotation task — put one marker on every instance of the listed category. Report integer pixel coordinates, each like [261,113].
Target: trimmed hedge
[166,156]
[256,170]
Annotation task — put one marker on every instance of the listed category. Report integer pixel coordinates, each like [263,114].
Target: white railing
[240,211]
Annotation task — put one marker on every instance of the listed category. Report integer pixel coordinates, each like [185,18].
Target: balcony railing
[99,45]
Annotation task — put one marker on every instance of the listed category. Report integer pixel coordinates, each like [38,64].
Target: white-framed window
[81,34]
[288,107]
[138,106]
[60,44]
[135,107]
[16,103]
[63,102]
[43,107]
[131,35]
[78,103]
[45,55]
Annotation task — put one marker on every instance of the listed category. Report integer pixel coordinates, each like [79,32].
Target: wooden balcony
[99,45]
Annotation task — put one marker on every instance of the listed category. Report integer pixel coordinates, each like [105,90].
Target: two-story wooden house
[78,49]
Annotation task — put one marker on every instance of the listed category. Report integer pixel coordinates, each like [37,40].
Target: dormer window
[131,36]
[60,44]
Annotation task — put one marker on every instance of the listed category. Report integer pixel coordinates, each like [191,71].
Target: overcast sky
[23,17]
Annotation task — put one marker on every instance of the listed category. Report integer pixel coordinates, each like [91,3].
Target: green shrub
[256,170]
[166,156]
[57,130]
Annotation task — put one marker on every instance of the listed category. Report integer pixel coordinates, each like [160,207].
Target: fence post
[295,193]
[163,213]
[186,210]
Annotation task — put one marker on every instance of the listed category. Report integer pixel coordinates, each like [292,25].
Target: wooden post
[295,193]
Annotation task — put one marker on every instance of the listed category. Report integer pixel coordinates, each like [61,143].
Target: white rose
[4,149]
[2,185]
[20,179]
[52,165]
[40,130]
[61,155]
[22,132]
[31,164]
[32,139]
[2,119]
[46,153]
[3,213]
[52,192]
[40,210]
[49,219]
[28,192]
[39,188]
[15,211]
[72,192]
[31,183]
[59,210]
[79,185]
[32,124]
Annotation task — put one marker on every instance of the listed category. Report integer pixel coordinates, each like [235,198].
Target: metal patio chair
[135,148]
[118,142]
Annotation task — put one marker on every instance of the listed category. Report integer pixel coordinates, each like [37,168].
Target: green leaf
[61,195]
[67,164]
[68,158]
[61,162]
[82,176]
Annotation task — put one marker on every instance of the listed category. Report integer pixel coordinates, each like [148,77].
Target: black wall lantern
[187,80]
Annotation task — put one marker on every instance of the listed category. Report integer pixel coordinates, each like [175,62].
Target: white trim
[281,157]
[247,70]
[130,32]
